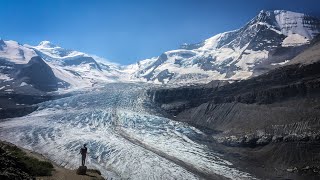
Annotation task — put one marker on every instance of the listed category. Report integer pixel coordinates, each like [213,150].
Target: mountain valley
[243,104]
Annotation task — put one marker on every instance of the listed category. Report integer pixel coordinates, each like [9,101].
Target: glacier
[127,136]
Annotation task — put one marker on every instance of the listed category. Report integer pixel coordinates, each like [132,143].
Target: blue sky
[125,31]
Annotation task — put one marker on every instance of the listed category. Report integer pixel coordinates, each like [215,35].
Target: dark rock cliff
[39,74]
[175,100]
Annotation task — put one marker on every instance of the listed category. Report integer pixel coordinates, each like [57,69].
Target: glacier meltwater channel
[126,137]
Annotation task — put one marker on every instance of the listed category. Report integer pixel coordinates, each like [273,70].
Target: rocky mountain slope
[271,121]
[270,39]
[286,95]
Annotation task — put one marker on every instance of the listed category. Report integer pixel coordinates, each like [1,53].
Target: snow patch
[5,77]
[295,40]
[23,84]
[281,63]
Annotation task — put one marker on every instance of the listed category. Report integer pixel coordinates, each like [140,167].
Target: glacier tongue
[126,136]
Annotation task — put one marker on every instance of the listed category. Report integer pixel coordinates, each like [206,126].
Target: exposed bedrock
[176,100]
[252,124]
[39,74]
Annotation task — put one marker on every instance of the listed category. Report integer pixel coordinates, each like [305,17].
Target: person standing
[83,152]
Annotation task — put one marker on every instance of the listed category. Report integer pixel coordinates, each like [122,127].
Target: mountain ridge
[269,40]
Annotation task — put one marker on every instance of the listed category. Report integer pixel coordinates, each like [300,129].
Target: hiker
[83,152]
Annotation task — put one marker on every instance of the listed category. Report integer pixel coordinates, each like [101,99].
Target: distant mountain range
[269,40]
[48,67]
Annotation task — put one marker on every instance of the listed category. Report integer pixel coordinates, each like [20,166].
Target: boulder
[82,170]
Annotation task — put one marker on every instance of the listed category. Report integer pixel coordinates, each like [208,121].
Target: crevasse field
[127,138]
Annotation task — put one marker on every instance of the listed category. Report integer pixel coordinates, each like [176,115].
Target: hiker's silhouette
[83,152]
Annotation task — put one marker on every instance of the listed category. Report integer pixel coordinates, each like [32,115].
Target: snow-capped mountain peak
[52,51]
[15,52]
[66,69]
[46,44]
[290,22]
[270,38]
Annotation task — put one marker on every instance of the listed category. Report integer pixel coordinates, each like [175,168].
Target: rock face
[82,170]
[37,73]
[178,99]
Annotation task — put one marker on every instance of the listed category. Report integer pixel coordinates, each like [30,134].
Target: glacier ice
[126,136]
